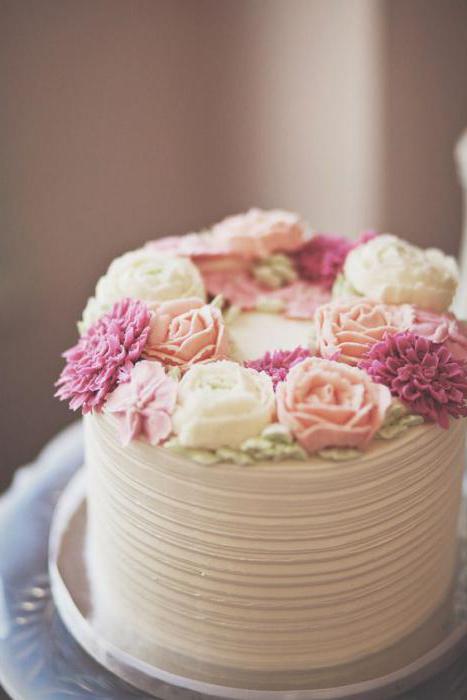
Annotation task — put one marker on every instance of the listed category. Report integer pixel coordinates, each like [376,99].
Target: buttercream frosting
[393,271]
[146,275]
[250,576]
[221,404]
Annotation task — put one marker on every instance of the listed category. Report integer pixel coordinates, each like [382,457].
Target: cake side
[225,571]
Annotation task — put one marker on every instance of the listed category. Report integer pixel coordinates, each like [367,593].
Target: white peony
[146,275]
[221,404]
[393,271]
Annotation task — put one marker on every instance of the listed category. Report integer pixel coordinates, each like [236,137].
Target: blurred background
[124,120]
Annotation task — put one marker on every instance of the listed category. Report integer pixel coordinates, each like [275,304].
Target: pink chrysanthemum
[322,258]
[423,374]
[104,355]
[278,363]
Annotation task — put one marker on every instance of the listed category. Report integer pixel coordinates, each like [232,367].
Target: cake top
[259,339]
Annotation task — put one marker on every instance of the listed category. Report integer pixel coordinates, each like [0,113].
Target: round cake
[274,443]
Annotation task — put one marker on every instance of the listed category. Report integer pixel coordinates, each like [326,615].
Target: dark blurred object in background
[122,121]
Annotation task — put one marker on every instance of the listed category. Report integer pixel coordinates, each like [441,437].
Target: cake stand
[41,659]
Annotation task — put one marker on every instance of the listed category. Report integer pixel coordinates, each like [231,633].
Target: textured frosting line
[278,567]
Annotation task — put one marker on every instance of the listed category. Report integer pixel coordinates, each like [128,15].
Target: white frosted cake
[274,434]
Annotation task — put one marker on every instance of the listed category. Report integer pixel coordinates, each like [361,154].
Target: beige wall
[122,120]
[425,111]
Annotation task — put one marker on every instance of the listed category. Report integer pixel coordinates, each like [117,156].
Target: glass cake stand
[41,659]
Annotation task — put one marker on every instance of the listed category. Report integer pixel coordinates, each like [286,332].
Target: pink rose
[442,328]
[301,298]
[255,234]
[258,233]
[185,331]
[143,405]
[350,328]
[328,404]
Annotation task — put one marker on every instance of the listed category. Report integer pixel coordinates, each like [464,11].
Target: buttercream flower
[258,233]
[423,374]
[393,271]
[442,328]
[254,234]
[144,404]
[221,404]
[186,331]
[329,404]
[145,275]
[192,245]
[300,299]
[104,355]
[349,328]
[239,289]
[322,258]
[278,363]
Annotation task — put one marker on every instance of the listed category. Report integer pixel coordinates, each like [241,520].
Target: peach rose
[442,328]
[329,404]
[349,328]
[185,331]
[255,234]
[259,233]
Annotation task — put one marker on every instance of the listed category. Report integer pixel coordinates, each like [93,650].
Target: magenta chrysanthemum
[104,355]
[421,373]
[278,363]
[322,258]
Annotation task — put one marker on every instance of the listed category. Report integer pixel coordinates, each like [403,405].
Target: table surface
[38,657]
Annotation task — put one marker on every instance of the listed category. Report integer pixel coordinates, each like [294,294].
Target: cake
[274,442]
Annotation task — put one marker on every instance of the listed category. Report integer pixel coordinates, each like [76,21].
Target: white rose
[221,404]
[146,275]
[393,271]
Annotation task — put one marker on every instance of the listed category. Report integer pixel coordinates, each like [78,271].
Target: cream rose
[329,404]
[145,275]
[221,404]
[185,331]
[348,329]
[390,270]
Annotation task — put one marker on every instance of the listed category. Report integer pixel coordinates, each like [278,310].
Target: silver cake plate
[427,651]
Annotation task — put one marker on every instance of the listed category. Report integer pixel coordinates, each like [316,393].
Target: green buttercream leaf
[398,419]
[274,444]
[174,372]
[200,456]
[218,301]
[342,289]
[339,454]
[275,271]
[278,433]
[270,306]
[231,314]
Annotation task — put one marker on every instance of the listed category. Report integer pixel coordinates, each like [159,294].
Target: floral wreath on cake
[386,354]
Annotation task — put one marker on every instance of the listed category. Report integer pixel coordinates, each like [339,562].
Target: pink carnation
[421,373]
[143,406]
[104,355]
[322,258]
[278,363]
